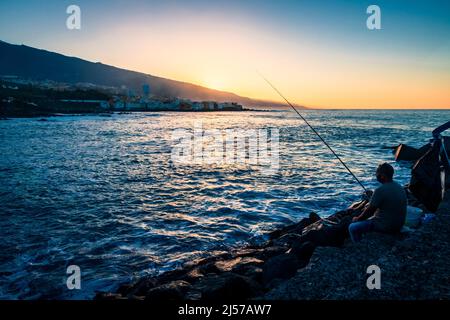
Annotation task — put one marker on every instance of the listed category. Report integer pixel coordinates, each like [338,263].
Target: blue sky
[277,35]
[412,21]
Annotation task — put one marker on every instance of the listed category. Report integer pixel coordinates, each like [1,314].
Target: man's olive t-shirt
[390,201]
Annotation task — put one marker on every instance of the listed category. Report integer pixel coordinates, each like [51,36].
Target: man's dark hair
[386,169]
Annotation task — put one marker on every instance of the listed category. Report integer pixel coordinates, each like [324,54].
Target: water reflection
[102,193]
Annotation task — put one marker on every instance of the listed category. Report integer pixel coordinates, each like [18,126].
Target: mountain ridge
[40,64]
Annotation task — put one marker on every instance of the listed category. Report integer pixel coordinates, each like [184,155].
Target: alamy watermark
[74,279]
[258,147]
[73,21]
[373,22]
[374,280]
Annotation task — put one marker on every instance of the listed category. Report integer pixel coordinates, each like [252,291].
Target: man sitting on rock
[387,207]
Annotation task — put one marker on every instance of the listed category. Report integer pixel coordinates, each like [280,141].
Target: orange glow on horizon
[225,56]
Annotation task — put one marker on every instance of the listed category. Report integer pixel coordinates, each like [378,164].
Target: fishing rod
[315,131]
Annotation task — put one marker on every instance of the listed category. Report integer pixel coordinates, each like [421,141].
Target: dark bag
[425,183]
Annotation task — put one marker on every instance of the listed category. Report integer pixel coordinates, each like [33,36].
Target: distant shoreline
[117,112]
[109,114]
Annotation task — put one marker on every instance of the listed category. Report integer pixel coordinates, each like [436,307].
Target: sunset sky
[319,53]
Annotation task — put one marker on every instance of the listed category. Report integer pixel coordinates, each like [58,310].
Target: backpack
[428,176]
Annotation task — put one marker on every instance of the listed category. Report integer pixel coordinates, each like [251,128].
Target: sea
[104,193]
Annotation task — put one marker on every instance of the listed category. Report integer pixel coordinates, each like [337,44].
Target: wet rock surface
[241,273]
[313,259]
[413,266]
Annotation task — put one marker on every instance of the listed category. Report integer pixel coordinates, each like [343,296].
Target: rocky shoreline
[313,259]
[414,266]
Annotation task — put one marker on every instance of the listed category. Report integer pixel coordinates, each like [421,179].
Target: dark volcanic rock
[271,251]
[310,261]
[303,250]
[237,264]
[286,240]
[246,252]
[209,267]
[332,269]
[415,267]
[252,271]
[203,261]
[227,286]
[140,288]
[282,266]
[313,217]
[328,232]
[193,275]
[172,291]
[108,296]
[295,228]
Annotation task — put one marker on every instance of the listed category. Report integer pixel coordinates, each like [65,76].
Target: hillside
[37,64]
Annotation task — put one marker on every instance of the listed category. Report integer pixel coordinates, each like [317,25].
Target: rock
[246,252]
[252,271]
[313,217]
[274,283]
[108,296]
[405,245]
[125,289]
[141,287]
[340,273]
[286,240]
[303,250]
[327,232]
[172,291]
[202,261]
[193,275]
[193,295]
[270,252]
[282,266]
[227,286]
[295,228]
[209,267]
[237,263]
[170,276]
[246,266]
[307,260]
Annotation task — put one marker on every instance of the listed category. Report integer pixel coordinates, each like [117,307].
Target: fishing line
[314,130]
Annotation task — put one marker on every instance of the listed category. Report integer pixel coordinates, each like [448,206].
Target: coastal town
[27,98]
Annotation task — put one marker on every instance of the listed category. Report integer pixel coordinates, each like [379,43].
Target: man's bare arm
[366,214]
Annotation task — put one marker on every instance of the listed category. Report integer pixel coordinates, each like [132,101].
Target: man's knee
[352,227]
[351,232]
